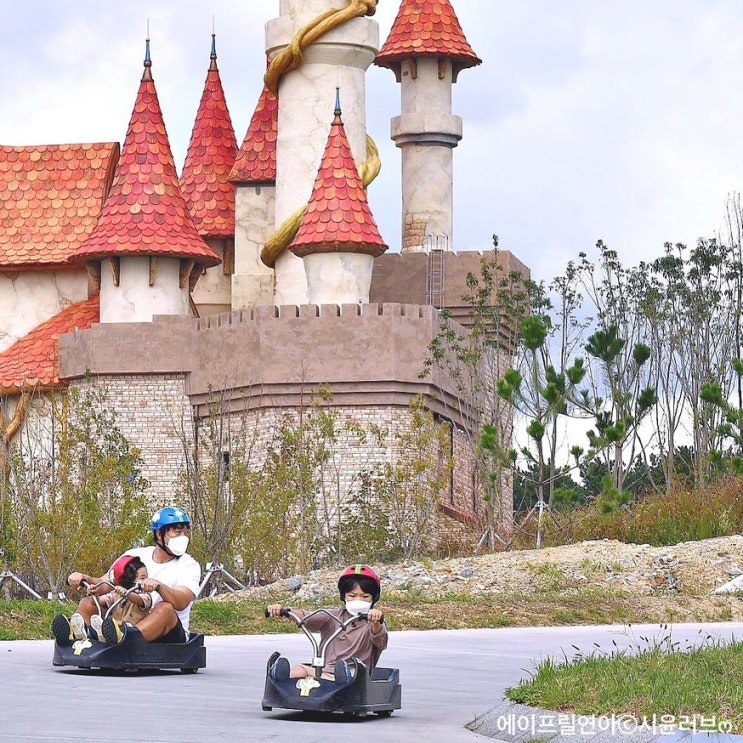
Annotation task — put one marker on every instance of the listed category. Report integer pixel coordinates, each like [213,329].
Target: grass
[649,679]
[417,610]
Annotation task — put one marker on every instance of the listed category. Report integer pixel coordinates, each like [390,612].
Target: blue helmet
[167,517]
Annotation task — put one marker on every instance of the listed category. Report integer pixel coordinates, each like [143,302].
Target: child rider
[360,589]
[124,574]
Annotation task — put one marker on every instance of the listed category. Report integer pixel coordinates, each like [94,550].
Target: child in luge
[360,589]
[125,573]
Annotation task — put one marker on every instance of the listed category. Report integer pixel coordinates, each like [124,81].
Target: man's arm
[74,580]
[179,598]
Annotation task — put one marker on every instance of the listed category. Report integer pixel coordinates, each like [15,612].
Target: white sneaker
[77,624]
[96,622]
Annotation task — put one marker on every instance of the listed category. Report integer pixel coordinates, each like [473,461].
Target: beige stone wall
[153,413]
[29,298]
[358,451]
[265,361]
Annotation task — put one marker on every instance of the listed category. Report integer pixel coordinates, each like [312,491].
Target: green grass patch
[652,679]
[413,610]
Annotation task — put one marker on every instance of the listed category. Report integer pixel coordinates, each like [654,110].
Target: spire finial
[213,55]
[147,76]
[337,111]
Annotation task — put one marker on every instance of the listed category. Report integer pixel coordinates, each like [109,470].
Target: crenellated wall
[269,356]
[268,360]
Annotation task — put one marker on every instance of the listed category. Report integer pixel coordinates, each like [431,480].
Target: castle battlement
[322,311]
[368,354]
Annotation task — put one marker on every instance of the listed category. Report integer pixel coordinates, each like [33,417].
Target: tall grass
[657,519]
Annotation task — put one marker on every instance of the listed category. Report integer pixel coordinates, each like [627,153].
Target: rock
[294,583]
[733,586]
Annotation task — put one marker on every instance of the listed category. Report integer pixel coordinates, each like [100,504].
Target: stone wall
[266,361]
[29,298]
[154,414]
[357,456]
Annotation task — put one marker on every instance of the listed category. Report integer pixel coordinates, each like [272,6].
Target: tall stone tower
[338,45]
[254,176]
[426,49]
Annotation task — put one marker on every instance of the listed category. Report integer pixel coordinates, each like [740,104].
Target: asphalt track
[449,678]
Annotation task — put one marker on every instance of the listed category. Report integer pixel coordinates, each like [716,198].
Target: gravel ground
[686,569]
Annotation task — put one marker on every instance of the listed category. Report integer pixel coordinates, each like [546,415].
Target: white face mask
[358,607]
[178,545]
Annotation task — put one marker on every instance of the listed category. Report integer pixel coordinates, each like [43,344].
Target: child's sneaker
[77,625]
[61,630]
[96,622]
[342,672]
[280,669]
[113,631]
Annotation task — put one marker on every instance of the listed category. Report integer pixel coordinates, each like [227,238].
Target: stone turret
[254,176]
[426,49]
[209,194]
[336,55]
[145,252]
[339,238]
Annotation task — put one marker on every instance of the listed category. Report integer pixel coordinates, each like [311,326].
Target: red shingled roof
[51,198]
[145,212]
[256,161]
[338,218]
[211,154]
[426,28]
[33,361]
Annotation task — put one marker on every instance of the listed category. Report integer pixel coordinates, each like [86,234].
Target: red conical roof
[426,28]
[33,361]
[211,154]
[256,160]
[145,212]
[338,218]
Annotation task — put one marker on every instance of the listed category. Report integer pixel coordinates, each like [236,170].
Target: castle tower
[209,194]
[145,252]
[339,52]
[339,238]
[254,176]
[426,49]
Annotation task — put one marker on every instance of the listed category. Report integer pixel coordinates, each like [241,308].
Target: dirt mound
[686,569]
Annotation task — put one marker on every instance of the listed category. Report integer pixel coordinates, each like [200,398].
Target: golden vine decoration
[8,430]
[290,59]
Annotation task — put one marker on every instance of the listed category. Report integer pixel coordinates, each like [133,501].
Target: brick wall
[153,413]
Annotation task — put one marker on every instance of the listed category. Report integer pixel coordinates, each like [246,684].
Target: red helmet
[117,570]
[353,573]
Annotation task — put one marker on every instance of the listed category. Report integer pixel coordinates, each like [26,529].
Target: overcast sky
[619,120]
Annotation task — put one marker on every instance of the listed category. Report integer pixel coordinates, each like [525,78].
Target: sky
[588,119]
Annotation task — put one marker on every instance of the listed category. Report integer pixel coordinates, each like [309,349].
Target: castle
[259,271]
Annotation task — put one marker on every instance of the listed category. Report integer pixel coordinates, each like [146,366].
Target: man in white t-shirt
[171,572]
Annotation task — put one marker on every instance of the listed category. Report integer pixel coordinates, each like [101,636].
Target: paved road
[448,679]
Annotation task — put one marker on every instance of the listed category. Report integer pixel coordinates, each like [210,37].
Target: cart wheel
[189,670]
[266,708]
[384,713]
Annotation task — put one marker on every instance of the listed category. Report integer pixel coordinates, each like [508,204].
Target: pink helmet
[117,569]
[368,576]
